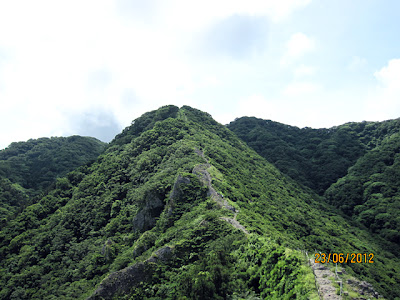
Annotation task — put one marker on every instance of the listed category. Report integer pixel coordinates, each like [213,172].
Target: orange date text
[353,258]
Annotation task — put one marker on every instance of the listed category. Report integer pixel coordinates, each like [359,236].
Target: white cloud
[307,109]
[198,14]
[210,80]
[66,58]
[296,89]
[383,102]
[298,45]
[357,63]
[389,76]
[304,70]
[255,105]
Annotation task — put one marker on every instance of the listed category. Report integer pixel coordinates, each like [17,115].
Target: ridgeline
[177,206]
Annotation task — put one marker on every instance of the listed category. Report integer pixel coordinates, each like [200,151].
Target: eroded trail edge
[205,178]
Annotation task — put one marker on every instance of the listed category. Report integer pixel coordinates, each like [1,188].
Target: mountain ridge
[305,153]
[147,192]
[353,155]
[29,168]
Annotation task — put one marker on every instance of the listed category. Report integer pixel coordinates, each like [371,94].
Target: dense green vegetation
[28,168]
[355,165]
[143,222]
[315,157]
[13,198]
[36,163]
[371,190]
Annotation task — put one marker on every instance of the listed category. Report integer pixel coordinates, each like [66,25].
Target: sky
[91,67]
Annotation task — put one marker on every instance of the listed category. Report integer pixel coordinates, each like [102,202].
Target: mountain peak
[179,206]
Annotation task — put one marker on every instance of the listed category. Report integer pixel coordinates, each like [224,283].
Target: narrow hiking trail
[205,177]
[323,278]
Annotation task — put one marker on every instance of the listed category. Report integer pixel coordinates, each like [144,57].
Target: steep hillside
[371,190]
[27,168]
[355,165]
[315,157]
[178,206]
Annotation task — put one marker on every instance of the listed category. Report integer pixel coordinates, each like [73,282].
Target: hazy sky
[91,67]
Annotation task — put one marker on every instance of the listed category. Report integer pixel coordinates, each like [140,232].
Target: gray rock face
[163,254]
[146,217]
[176,191]
[323,278]
[235,223]
[205,178]
[121,282]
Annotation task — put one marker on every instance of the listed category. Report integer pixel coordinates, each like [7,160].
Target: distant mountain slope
[315,157]
[371,190]
[361,157]
[178,206]
[27,168]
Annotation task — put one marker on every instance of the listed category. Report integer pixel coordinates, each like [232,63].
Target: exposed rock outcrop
[121,282]
[323,278]
[363,288]
[146,217]
[235,223]
[205,178]
[176,191]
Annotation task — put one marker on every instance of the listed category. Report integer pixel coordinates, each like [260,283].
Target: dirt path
[323,277]
[205,177]
[235,224]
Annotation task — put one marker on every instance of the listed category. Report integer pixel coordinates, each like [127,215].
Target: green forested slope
[160,214]
[36,163]
[362,157]
[315,157]
[371,190]
[27,168]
